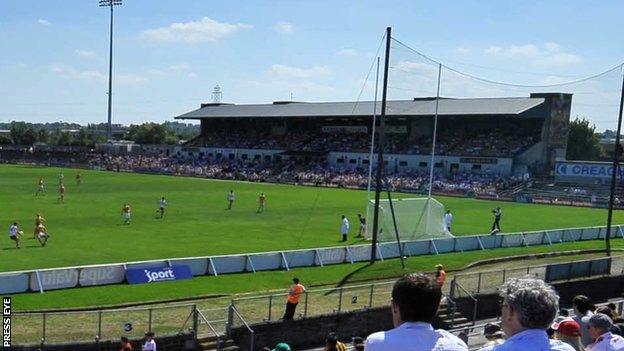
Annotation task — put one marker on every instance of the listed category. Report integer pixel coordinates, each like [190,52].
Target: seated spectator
[282,346]
[600,330]
[583,310]
[613,308]
[568,331]
[415,302]
[332,343]
[529,306]
[358,343]
[125,344]
[493,334]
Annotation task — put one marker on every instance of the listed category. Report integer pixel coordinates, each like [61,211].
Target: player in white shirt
[15,234]
[150,344]
[344,228]
[448,220]
[230,199]
[162,205]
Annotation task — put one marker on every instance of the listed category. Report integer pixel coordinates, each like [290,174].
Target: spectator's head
[265,349]
[564,312]
[611,305]
[439,267]
[330,341]
[359,215]
[149,335]
[415,298]
[605,310]
[14,223]
[448,211]
[124,339]
[492,331]
[527,304]
[582,304]
[343,217]
[282,346]
[296,280]
[599,324]
[358,343]
[568,331]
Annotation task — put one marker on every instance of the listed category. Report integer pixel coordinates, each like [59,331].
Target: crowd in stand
[309,173]
[457,142]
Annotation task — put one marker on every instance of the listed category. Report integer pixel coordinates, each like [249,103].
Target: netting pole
[396,230]
[372,148]
[433,147]
[380,146]
[616,161]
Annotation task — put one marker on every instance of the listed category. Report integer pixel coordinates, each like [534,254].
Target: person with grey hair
[529,306]
[600,329]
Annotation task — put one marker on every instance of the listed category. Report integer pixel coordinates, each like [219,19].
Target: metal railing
[234,312]
[490,280]
[264,308]
[475,302]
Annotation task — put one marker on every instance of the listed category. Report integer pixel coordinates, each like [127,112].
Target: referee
[497,216]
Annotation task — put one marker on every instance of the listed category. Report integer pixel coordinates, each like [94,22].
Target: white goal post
[416,219]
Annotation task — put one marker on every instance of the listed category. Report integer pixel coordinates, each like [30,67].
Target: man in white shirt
[448,220]
[230,199]
[15,234]
[415,301]
[344,228]
[600,329]
[162,205]
[150,344]
[528,309]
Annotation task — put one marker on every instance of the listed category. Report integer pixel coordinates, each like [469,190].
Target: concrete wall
[182,342]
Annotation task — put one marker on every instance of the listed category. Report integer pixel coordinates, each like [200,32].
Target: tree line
[65,134]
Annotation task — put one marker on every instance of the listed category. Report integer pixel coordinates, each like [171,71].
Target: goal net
[416,219]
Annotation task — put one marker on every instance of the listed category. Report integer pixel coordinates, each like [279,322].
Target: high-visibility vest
[295,292]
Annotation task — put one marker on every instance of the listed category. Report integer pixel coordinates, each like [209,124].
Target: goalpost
[416,219]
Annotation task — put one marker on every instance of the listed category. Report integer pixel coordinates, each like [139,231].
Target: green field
[88,229]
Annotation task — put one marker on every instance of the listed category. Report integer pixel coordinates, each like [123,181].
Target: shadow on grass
[350,275]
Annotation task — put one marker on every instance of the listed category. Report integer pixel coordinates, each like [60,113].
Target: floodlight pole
[380,145]
[615,173]
[109,127]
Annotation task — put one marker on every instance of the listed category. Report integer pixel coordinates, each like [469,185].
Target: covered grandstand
[502,136]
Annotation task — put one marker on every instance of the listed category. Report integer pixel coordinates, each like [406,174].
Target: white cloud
[552,47]
[495,50]
[559,59]
[463,50]
[283,27]
[346,53]
[550,55]
[88,54]
[129,79]
[551,80]
[194,32]
[283,71]
[192,75]
[93,75]
[43,22]
[72,73]
[182,66]
[155,72]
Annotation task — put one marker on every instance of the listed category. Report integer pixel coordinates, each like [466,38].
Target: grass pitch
[88,229]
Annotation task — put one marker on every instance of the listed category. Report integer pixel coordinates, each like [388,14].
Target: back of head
[583,304]
[331,340]
[535,302]
[417,297]
[601,322]
[605,310]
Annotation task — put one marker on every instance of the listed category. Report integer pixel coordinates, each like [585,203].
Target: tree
[583,141]
[22,134]
[152,133]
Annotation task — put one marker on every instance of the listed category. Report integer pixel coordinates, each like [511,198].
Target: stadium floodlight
[111,4]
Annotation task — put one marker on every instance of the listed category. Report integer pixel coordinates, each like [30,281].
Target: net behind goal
[416,219]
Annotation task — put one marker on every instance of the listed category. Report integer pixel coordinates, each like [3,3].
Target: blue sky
[170,54]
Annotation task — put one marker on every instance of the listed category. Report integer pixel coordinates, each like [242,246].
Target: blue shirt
[530,340]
